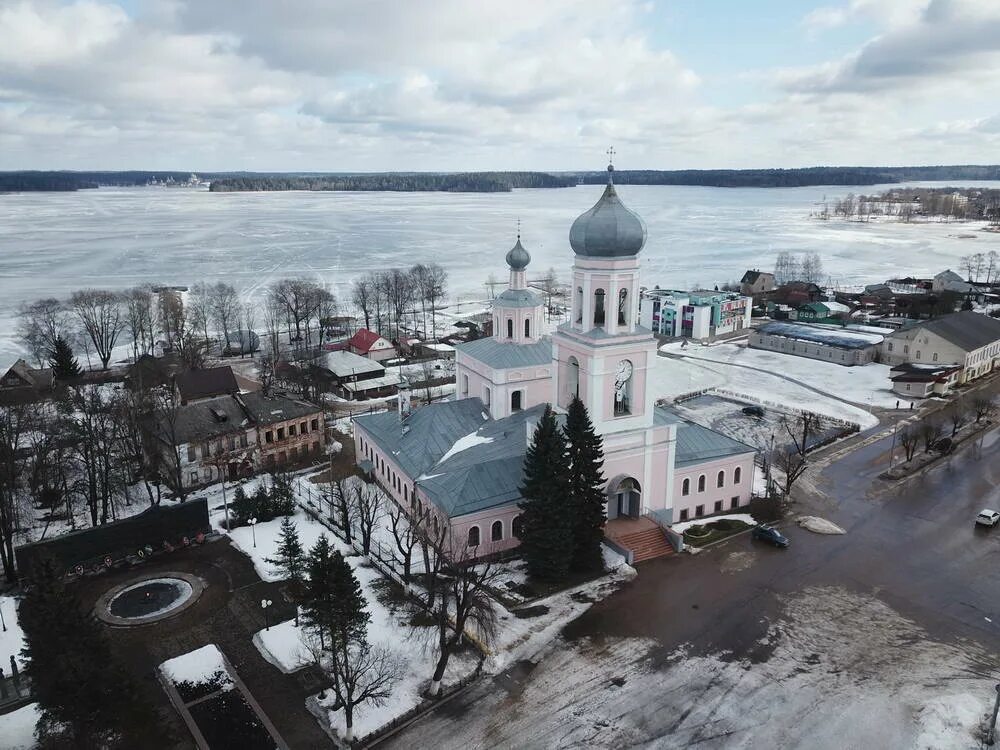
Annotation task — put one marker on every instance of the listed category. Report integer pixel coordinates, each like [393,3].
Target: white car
[987,517]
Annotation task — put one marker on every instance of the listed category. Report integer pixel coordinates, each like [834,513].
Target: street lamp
[2,621]
[253,530]
[264,604]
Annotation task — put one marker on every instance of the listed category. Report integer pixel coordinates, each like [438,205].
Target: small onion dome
[609,229]
[517,257]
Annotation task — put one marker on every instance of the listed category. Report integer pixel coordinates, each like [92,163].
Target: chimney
[404,401]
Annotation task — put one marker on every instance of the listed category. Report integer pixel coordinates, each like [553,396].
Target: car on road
[754,411]
[770,535]
[987,517]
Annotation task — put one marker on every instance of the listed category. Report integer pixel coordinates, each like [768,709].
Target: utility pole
[892,450]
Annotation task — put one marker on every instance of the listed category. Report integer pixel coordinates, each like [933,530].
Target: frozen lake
[53,243]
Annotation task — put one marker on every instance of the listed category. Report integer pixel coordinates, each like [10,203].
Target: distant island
[492,182]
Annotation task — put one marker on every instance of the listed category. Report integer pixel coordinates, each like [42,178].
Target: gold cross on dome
[611,154]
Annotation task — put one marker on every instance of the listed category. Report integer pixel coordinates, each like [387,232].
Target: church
[460,462]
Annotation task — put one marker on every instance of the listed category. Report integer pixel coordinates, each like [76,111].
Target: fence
[784,407]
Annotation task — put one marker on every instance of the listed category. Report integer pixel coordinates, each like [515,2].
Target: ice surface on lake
[53,243]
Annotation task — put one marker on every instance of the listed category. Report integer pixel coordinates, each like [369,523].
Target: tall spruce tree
[349,621]
[585,449]
[290,560]
[547,526]
[86,697]
[317,597]
[64,365]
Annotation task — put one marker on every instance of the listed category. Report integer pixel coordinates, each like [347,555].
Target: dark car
[754,411]
[770,535]
[943,445]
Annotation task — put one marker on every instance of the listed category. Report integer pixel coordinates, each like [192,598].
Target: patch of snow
[464,443]
[17,728]
[11,640]
[283,646]
[683,526]
[200,665]
[819,525]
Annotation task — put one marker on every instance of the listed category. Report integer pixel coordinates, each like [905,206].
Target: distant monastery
[461,461]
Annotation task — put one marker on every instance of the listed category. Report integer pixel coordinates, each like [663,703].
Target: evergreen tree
[282,496]
[244,506]
[586,457]
[262,503]
[547,529]
[317,597]
[62,361]
[290,559]
[332,602]
[86,697]
[349,623]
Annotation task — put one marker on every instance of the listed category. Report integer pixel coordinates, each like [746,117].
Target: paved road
[868,639]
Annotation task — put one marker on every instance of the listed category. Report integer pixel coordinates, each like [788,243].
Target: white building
[702,314]
[968,339]
[949,281]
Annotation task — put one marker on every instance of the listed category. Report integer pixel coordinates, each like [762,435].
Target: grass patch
[712,531]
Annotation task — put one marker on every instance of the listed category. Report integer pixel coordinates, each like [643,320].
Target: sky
[446,85]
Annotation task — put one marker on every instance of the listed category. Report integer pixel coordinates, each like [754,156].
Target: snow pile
[11,640]
[200,665]
[683,526]
[17,729]
[283,646]
[819,525]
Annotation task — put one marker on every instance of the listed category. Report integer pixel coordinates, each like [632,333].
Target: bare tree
[172,316]
[225,309]
[786,268]
[462,603]
[139,320]
[957,413]
[359,673]
[930,430]
[40,324]
[434,291]
[362,295]
[200,307]
[492,282]
[404,537]
[94,452]
[983,406]
[366,500]
[792,464]
[801,428]
[341,494]
[16,423]
[166,439]
[908,438]
[812,268]
[100,315]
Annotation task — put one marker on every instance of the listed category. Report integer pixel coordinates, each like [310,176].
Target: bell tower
[602,354]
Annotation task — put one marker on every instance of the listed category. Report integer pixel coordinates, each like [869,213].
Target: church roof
[517,298]
[502,355]
[697,444]
[609,229]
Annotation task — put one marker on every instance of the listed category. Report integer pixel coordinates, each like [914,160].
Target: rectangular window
[302,428]
[718,506]
[734,502]
[269,436]
[684,514]
[315,424]
[281,433]
[192,453]
[194,477]
[232,442]
[699,511]
[243,440]
[291,430]
[315,446]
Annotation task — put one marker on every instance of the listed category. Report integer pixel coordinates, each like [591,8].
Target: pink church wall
[712,492]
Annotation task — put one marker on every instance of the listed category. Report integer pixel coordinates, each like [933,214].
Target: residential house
[920,381]
[22,378]
[289,430]
[830,344]
[968,339]
[756,283]
[355,377]
[703,314]
[192,386]
[371,345]
[796,293]
[822,311]
[949,281]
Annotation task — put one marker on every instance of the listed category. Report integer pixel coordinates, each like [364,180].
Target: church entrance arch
[624,498]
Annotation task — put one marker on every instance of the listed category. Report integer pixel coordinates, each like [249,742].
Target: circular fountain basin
[149,599]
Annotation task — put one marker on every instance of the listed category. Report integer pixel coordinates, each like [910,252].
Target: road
[887,636]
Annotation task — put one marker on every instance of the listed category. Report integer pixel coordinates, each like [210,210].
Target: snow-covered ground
[670,377]
[17,728]
[683,526]
[11,640]
[200,665]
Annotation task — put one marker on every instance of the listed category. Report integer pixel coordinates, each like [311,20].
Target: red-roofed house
[370,344]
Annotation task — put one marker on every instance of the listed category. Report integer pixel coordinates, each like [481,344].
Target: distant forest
[493,182]
[466,182]
[908,204]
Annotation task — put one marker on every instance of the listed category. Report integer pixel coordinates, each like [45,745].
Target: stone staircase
[647,544]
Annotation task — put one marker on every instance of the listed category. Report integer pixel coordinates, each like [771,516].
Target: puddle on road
[734,562]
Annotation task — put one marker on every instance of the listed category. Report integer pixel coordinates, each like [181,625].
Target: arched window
[579,304]
[496,531]
[473,536]
[934,357]
[486,395]
[918,354]
[701,483]
[465,384]
[686,486]
[406,493]
[720,481]
[737,474]
[517,526]
[527,328]
[573,377]
[510,328]
[515,401]
[622,306]
[599,307]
